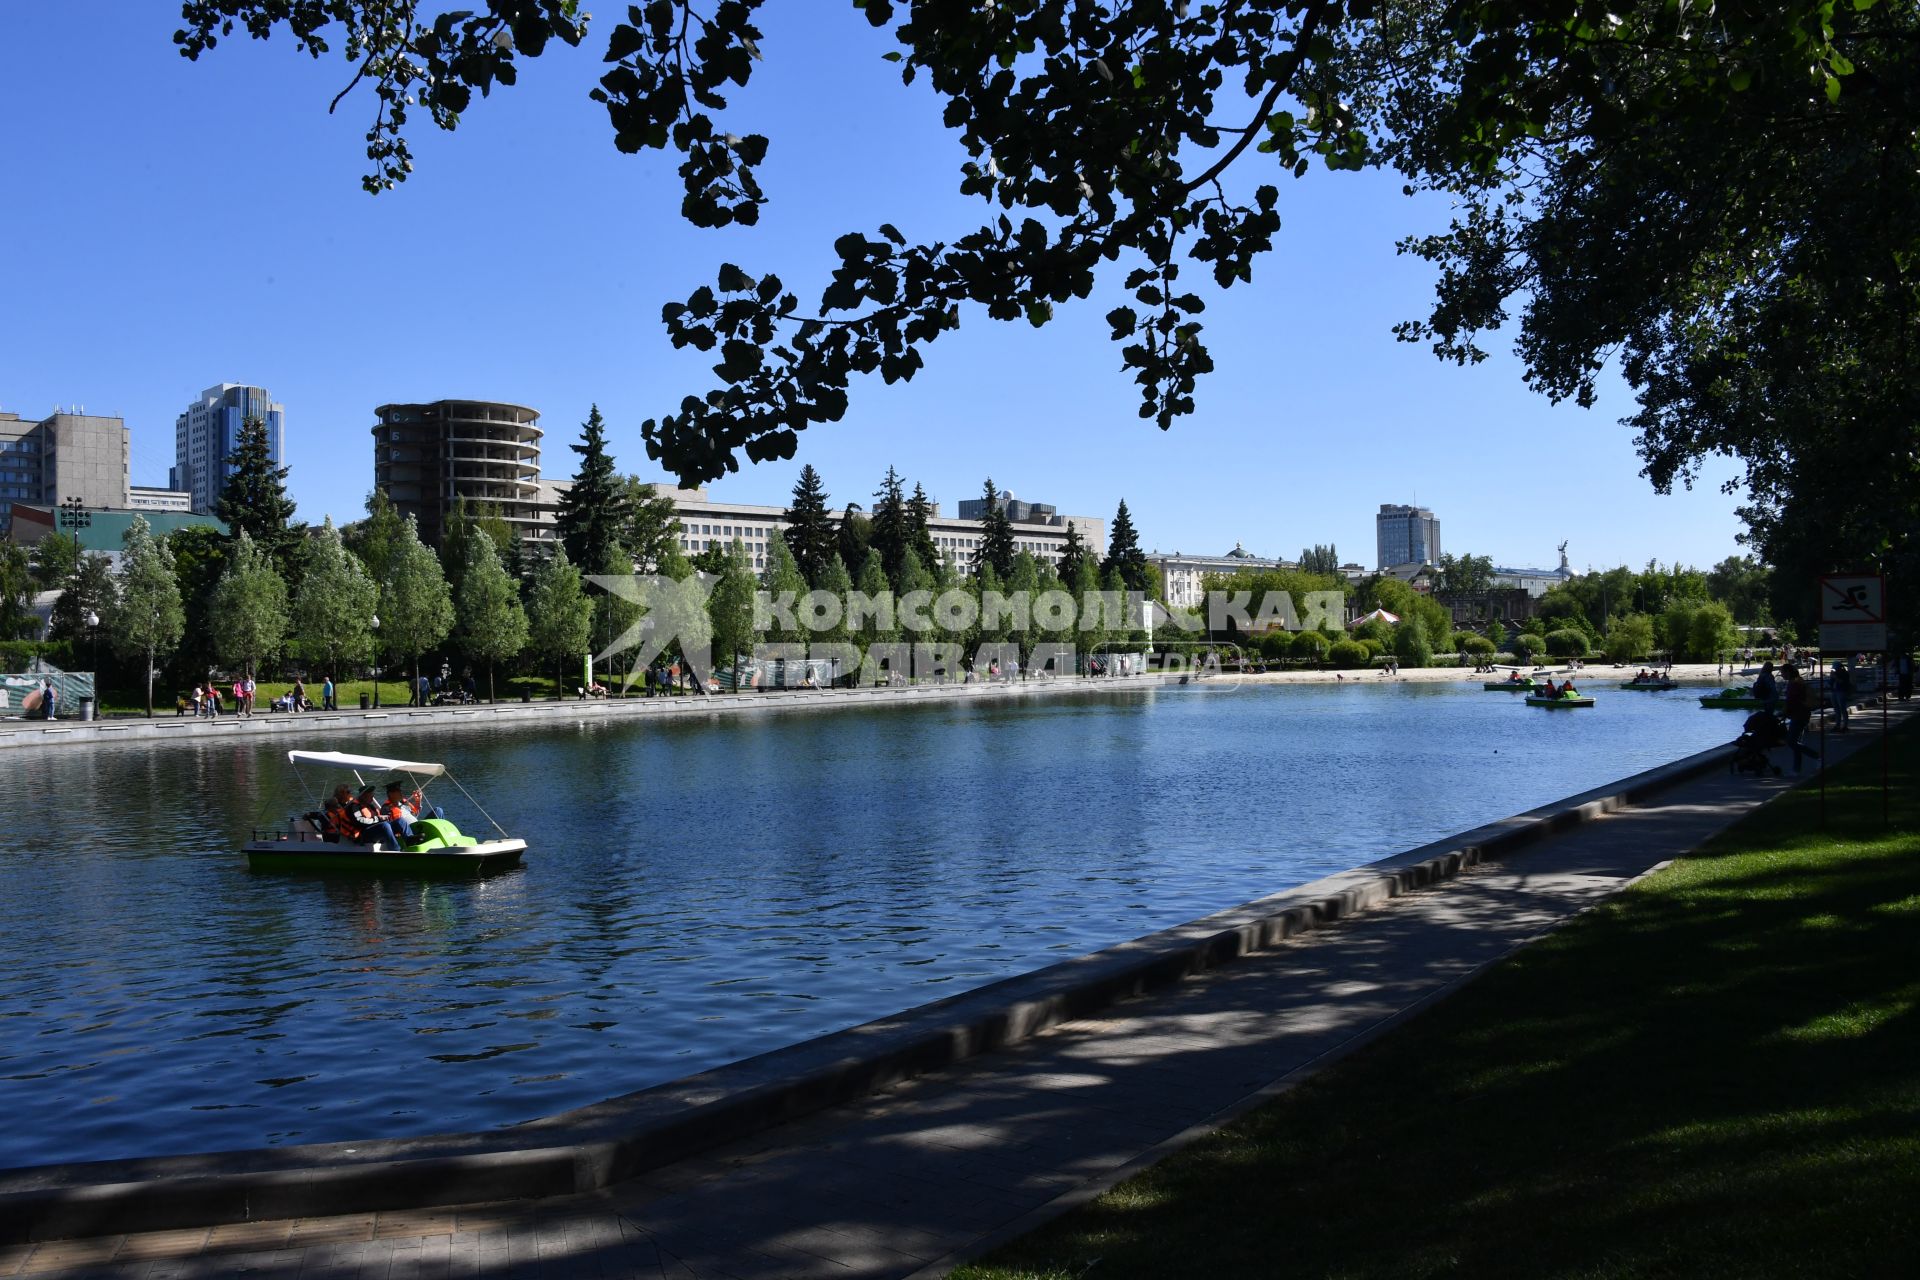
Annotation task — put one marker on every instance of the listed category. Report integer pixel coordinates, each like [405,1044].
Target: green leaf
[1741,79]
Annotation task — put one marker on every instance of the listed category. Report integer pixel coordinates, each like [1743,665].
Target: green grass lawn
[1716,1074]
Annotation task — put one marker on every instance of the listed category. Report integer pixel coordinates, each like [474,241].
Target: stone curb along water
[544,714]
[594,1146]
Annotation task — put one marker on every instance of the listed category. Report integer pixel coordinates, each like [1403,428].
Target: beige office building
[64,456]
[705,522]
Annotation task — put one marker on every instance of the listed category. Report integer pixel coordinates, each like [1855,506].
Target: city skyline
[1314,417]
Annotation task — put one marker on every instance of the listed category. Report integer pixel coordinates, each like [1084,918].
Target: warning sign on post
[1853,613]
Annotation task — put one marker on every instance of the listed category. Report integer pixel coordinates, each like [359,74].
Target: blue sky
[170,225]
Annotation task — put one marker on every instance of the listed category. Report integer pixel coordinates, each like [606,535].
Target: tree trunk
[490,697]
[149,674]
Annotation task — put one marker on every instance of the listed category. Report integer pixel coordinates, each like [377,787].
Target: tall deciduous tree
[731,609]
[782,578]
[147,618]
[254,499]
[16,593]
[374,538]
[1123,551]
[492,625]
[559,614]
[653,524]
[249,615]
[416,608]
[614,614]
[1107,140]
[1320,559]
[810,531]
[996,536]
[1463,575]
[333,607]
[594,510]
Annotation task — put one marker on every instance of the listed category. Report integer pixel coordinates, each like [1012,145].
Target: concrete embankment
[291,727]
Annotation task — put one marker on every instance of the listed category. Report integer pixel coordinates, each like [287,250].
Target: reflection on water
[695,891]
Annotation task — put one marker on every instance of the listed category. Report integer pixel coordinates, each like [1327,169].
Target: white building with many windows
[1182,575]
[706,522]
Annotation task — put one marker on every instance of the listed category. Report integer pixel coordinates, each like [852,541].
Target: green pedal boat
[1561,700]
[1654,686]
[1509,686]
[1732,700]
[438,847]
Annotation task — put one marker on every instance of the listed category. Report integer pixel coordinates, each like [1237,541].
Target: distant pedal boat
[1562,701]
[440,848]
[1652,685]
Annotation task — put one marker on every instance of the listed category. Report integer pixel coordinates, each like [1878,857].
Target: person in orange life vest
[370,827]
[404,810]
[338,811]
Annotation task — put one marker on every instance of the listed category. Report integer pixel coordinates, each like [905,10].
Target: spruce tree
[810,532]
[1073,555]
[594,511]
[996,537]
[920,527]
[1124,553]
[855,536]
[891,532]
[254,499]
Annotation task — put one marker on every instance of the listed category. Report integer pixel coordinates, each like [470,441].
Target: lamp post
[92,621]
[374,624]
[74,517]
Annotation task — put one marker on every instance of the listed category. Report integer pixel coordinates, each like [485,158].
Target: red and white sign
[1853,598]
[1853,613]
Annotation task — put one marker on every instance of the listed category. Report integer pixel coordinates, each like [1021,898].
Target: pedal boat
[440,848]
[1560,700]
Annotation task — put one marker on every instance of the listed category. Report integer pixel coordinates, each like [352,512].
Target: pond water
[695,891]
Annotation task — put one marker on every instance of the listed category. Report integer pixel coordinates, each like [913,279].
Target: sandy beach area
[1594,673]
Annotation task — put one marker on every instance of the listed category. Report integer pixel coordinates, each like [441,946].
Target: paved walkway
[907,1182]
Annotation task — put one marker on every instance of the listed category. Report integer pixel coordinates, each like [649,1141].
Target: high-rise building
[64,456]
[428,456]
[1407,535]
[208,434]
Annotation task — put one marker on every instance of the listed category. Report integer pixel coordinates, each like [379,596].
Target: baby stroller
[1760,734]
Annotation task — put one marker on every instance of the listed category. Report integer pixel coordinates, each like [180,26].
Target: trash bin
[365,702]
[86,708]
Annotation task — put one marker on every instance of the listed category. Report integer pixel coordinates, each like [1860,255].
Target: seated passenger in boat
[1567,690]
[1550,691]
[369,827]
[404,810]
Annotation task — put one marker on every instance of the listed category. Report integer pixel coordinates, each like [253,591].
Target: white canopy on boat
[345,761]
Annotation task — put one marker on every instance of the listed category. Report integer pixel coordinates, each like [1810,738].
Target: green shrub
[1374,647]
[1478,646]
[1311,646]
[1528,648]
[1567,643]
[1347,653]
[1506,659]
[1276,644]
